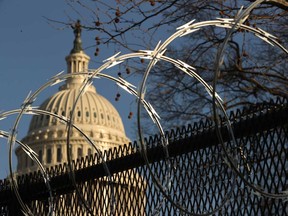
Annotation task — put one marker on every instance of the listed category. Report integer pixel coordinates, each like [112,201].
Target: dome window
[59,154]
[102,116]
[70,152]
[49,156]
[89,151]
[108,117]
[63,113]
[87,114]
[40,156]
[79,113]
[79,152]
[95,114]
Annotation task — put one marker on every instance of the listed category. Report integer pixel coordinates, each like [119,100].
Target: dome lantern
[77,60]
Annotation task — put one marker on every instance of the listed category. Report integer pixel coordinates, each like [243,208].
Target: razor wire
[154,56]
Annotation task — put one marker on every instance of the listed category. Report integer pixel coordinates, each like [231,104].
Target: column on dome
[77,62]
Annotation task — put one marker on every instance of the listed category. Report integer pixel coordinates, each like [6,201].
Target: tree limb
[283,4]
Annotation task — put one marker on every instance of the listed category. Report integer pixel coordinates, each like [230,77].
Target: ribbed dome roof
[91,109]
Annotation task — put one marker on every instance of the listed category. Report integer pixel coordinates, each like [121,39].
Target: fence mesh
[196,177]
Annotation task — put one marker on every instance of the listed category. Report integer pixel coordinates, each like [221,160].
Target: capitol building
[93,114]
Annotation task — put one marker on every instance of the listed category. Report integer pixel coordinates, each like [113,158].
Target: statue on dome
[77,41]
[77,29]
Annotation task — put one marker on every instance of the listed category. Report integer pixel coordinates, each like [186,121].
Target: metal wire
[154,56]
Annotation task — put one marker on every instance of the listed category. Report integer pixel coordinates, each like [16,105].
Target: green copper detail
[77,41]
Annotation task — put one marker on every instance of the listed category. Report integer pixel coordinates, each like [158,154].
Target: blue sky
[31,52]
